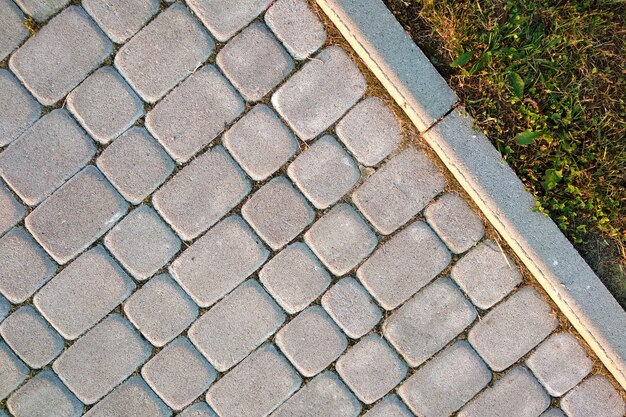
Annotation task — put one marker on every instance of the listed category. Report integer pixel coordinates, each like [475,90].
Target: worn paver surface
[203,211]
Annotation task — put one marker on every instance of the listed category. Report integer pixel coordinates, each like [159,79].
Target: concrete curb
[421,92]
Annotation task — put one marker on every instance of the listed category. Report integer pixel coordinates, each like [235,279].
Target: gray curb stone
[132,398]
[18,109]
[43,395]
[121,19]
[13,30]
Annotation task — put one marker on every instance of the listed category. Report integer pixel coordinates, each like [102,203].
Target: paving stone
[236,326]
[12,29]
[12,210]
[121,19]
[160,310]
[18,110]
[219,261]
[455,222]
[105,105]
[12,369]
[76,215]
[311,341]
[255,62]
[72,303]
[370,131]
[60,55]
[560,363]
[24,267]
[352,308]
[371,368]
[517,394]
[341,239]
[403,265]
[429,321]
[31,337]
[255,387]
[277,212]
[446,383]
[295,277]
[164,53]
[135,164]
[198,410]
[296,26]
[132,398]
[142,242]
[44,395]
[41,10]
[4,308]
[594,397]
[390,406]
[260,142]
[512,329]
[320,93]
[324,396]
[45,156]
[179,373]
[553,412]
[194,113]
[399,190]
[200,194]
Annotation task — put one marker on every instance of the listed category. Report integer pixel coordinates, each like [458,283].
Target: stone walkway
[202,211]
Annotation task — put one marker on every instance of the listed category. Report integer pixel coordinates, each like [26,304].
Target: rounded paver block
[18,110]
[13,31]
[132,398]
[594,397]
[198,410]
[12,210]
[390,406]
[44,395]
[121,19]
[14,372]
[41,10]
[5,306]
[553,412]
[371,368]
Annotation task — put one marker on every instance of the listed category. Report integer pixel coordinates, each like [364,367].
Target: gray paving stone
[41,10]
[121,19]
[24,267]
[455,222]
[553,412]
[12,29]
[12,210]
[164,53]
[371,368]
[142,242]
[160,310]
[296,26]
[44,395]
[4,308]
[352,308]
[31,337]
[219,261]
[178,373]
[105,105]
[194,113]
[391,406]
[403,265]
[18,110]
[446,383]
[429,321]
[236,326]
[198,410]
[135,164]
[260,142]
[255,387]
[324,396]
[311,341]
[132,398]
[13,371]
[320,93]
[341,239]
[594,397]
[324,172]
[277,212]
[72,303]
[516,394]
[295,277]
[76,215]
[399,190]
[255,62]
[60,55]
[200,194]
[560,363]
[45,156]
[512,329]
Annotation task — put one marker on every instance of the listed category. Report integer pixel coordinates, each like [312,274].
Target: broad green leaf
[462,59]
[527,137]
[517,84]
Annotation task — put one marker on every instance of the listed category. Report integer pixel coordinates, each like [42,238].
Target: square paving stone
[45,156]
[277,212]
[18,110]
[164,52]
[194,113]
[341,239]
[76,215]
[390,406]
[371,368]
[44,395]
[41,10]
[121,19]
[12,210]
[12,29]
[132,398]
[236,326]
[105,105]
[219,261]
[160,310]
[320,93]
[60,55]
[198,410]
[594,397]
[295,277]
[14,372]
[403,265]
[72,303]
[178,373]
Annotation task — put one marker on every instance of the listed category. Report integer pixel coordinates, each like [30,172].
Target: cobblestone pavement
[203,212]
